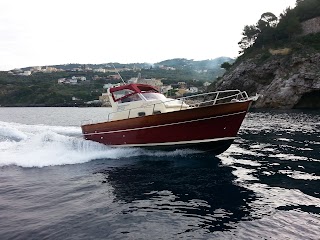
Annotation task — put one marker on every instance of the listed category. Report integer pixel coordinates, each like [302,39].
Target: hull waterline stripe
[175,143]
[163,125]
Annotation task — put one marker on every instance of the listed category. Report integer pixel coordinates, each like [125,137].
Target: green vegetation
[226,65]
[311,40]
[270,31]
[182,63]
[42,89]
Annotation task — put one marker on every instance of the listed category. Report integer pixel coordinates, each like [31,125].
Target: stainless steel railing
[198,100]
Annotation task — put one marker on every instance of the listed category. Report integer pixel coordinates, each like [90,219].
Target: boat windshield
[154,96]
[125,95]
[122,93]
[131,98]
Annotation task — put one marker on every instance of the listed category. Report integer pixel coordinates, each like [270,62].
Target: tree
[267,20]
[226,65]
[307,9]
[250,33]
[260,33]
[266,26]
[289,25]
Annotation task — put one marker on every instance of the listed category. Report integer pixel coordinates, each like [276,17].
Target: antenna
[118,73]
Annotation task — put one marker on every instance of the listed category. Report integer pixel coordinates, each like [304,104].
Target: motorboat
[143,117]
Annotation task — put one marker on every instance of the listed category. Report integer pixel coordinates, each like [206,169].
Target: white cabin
[138,100]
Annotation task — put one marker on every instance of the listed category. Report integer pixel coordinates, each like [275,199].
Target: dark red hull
[206,128]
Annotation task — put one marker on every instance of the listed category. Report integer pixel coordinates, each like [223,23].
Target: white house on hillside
[110,85]
[193,90]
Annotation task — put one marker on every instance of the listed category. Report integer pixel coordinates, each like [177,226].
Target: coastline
[48,105]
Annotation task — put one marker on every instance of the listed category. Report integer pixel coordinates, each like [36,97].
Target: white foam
[12,130]
[9,133]
[40,146]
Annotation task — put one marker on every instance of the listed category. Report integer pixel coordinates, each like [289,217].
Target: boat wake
[41,146]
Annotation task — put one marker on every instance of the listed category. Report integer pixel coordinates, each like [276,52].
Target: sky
[48,32]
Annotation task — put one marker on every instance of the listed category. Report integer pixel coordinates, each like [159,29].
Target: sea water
[56,185]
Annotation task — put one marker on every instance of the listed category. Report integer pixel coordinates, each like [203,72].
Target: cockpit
[135,92]
[134,100]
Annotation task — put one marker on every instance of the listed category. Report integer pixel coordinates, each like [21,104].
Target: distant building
[73,80]
[81,78]
[182,84]
[133,80]
[165,89]
[50,70]
[61,80]
[110,85]
[19,72]
[76,70]
[167,68]
[206,84]
[36,69]
[104,99]
[181,92]
[25,73]
[157,83]
[75,99]
[101,70]
[193,90]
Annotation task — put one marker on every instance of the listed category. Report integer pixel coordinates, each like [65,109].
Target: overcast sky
[45,32]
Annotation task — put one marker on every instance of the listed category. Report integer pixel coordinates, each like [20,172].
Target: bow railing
[193,101]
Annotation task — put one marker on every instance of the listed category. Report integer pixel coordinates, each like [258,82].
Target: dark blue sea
[55,185]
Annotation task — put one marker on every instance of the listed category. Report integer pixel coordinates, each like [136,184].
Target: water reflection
[194,188]
[280,151]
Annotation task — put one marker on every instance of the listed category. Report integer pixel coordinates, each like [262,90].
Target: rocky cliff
[284,81]
[285,78]
[310,26]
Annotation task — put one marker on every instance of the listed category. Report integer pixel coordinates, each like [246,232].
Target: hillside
[182,63]
[210,65]
[285,70]
[283,81]
[41,88]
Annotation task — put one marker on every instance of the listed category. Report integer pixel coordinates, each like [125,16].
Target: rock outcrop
[310,26]
[284,81]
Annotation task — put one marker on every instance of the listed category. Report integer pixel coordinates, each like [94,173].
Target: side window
[121,93]
[131,98]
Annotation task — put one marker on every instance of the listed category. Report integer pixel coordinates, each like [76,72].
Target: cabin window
[125,95]
[154,96]
[121,93]
[131,98]
[141,114]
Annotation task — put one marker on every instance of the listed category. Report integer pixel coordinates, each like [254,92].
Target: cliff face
[311,26]
[285,78]
[284,81]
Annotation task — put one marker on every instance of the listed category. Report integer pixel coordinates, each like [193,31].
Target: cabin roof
[138,88]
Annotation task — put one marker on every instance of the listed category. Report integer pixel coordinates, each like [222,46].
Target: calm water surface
[55,185]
